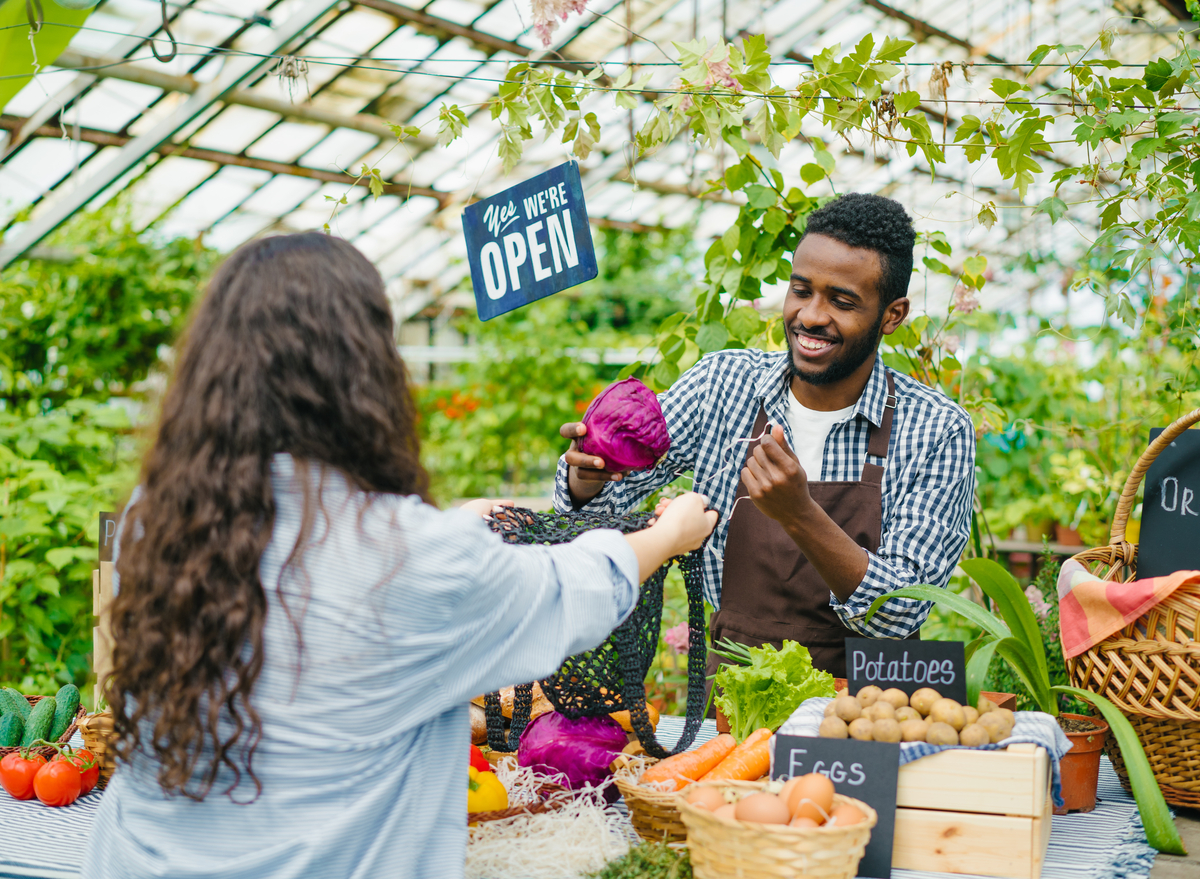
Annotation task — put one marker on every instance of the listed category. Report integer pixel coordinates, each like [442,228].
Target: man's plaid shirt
[928,481]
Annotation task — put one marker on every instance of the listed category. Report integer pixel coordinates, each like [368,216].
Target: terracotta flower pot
[1080,767]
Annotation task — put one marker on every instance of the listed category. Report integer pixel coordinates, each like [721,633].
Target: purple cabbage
[625,427]
[580,749]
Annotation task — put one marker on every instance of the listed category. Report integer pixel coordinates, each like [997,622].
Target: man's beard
[840,367]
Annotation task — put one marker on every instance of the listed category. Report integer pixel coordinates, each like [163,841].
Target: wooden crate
[982,812]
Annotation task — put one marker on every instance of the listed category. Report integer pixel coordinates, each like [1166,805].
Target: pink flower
[677,638]
[951,344]
[720,73]
[547,12]
[1037,602]
[965,301]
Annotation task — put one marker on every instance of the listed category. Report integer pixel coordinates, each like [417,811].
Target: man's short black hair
[875,223]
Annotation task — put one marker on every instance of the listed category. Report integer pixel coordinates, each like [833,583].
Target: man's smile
[812,346]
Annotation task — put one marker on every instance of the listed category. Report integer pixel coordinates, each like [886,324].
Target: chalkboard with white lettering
[1170,536]
[529,241]
[108,536]
[866,771]
[907,665]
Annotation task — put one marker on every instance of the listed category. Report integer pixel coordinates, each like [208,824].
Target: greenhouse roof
[260,121]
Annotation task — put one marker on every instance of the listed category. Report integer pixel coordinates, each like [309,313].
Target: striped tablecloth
[37,841]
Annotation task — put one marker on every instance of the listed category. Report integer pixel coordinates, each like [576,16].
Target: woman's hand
[680,526]
[483,506]
[687,519]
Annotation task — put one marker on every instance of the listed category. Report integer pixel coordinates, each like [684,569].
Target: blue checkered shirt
[928,481]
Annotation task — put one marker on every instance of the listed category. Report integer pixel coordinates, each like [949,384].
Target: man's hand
[484,507]
[586,474]
[775,480]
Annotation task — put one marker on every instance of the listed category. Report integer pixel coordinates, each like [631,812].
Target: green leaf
[964,607]
[999,585]
[825,159]
[774,220]
[977,667]
[987,215]
[1160,828]
[744,323]
[1006,87]
[936,265]
[761,196]
[1021,661]
[811,172]
[664,373]
[1054,206]
[974,266]
[1111,213]
[712,337]
[906,101]
[671,348]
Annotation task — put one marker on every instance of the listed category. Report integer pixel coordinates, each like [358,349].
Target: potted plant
[1013,635]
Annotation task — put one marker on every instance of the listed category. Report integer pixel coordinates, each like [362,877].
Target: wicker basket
[653,813]
[1151,668]
[62,740]
[722,849]
[547,802]
[97,730]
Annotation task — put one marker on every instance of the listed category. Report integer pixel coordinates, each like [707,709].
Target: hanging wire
[167,30]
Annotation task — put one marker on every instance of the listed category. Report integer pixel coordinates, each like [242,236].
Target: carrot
[748,761]
[683,769]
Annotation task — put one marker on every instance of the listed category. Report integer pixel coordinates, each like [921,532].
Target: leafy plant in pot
[1013,635]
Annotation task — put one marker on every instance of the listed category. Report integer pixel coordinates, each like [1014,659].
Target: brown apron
[769,590]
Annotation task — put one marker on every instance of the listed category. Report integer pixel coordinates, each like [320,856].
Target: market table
[1104,843]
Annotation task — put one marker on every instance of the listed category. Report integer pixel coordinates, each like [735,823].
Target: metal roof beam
[108,139]
[427,23]
[237,70]
[115,68]
[925,29]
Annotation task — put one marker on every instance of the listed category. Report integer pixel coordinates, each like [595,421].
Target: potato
[844,691]
[831,708]
[983,706]
[861,729]
[914,730]
[834,728]
[996,728]
[885,730]
[948,711]
[973,735]
[941,734]
[907,713]
[895,697]
[868,695]
[1009,717]
[923,699]
[847,708]
[880,711]
[972,714]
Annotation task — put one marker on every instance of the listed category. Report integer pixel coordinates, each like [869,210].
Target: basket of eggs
[772,829]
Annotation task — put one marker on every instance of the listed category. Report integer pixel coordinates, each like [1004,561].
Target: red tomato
[58,783]
[479,761]
[17,773]
[89,775]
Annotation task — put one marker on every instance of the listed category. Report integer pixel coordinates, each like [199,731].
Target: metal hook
[167,30]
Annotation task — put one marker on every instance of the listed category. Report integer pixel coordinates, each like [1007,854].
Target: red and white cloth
[1091,609]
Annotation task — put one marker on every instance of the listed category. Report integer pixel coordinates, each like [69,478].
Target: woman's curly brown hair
[291,350]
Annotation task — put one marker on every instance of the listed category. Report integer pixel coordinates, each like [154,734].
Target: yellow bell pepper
[485,792]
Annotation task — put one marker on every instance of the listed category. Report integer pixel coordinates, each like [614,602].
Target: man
[860,480]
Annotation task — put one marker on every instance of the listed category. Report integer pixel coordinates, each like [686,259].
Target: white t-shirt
[810,428]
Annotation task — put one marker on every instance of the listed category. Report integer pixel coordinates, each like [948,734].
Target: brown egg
[803,821]
[845,815]
[705,798]
[811,796]
[762,809]
[726,812]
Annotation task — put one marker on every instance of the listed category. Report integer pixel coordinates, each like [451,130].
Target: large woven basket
[1151,668]
[653,813]
[48,753]
[723,849]
[98,736]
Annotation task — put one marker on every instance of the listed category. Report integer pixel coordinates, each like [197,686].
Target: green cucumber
[11,727]
[39,722]
[17,702]
[67,702]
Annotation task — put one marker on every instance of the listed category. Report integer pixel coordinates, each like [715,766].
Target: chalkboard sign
[866,771]
[907,665]
[529,241]
[108,535]
[1170,536]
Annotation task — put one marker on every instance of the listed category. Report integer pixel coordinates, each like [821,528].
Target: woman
[298,630]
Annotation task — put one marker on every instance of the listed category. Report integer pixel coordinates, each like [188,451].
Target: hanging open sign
[529,241]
